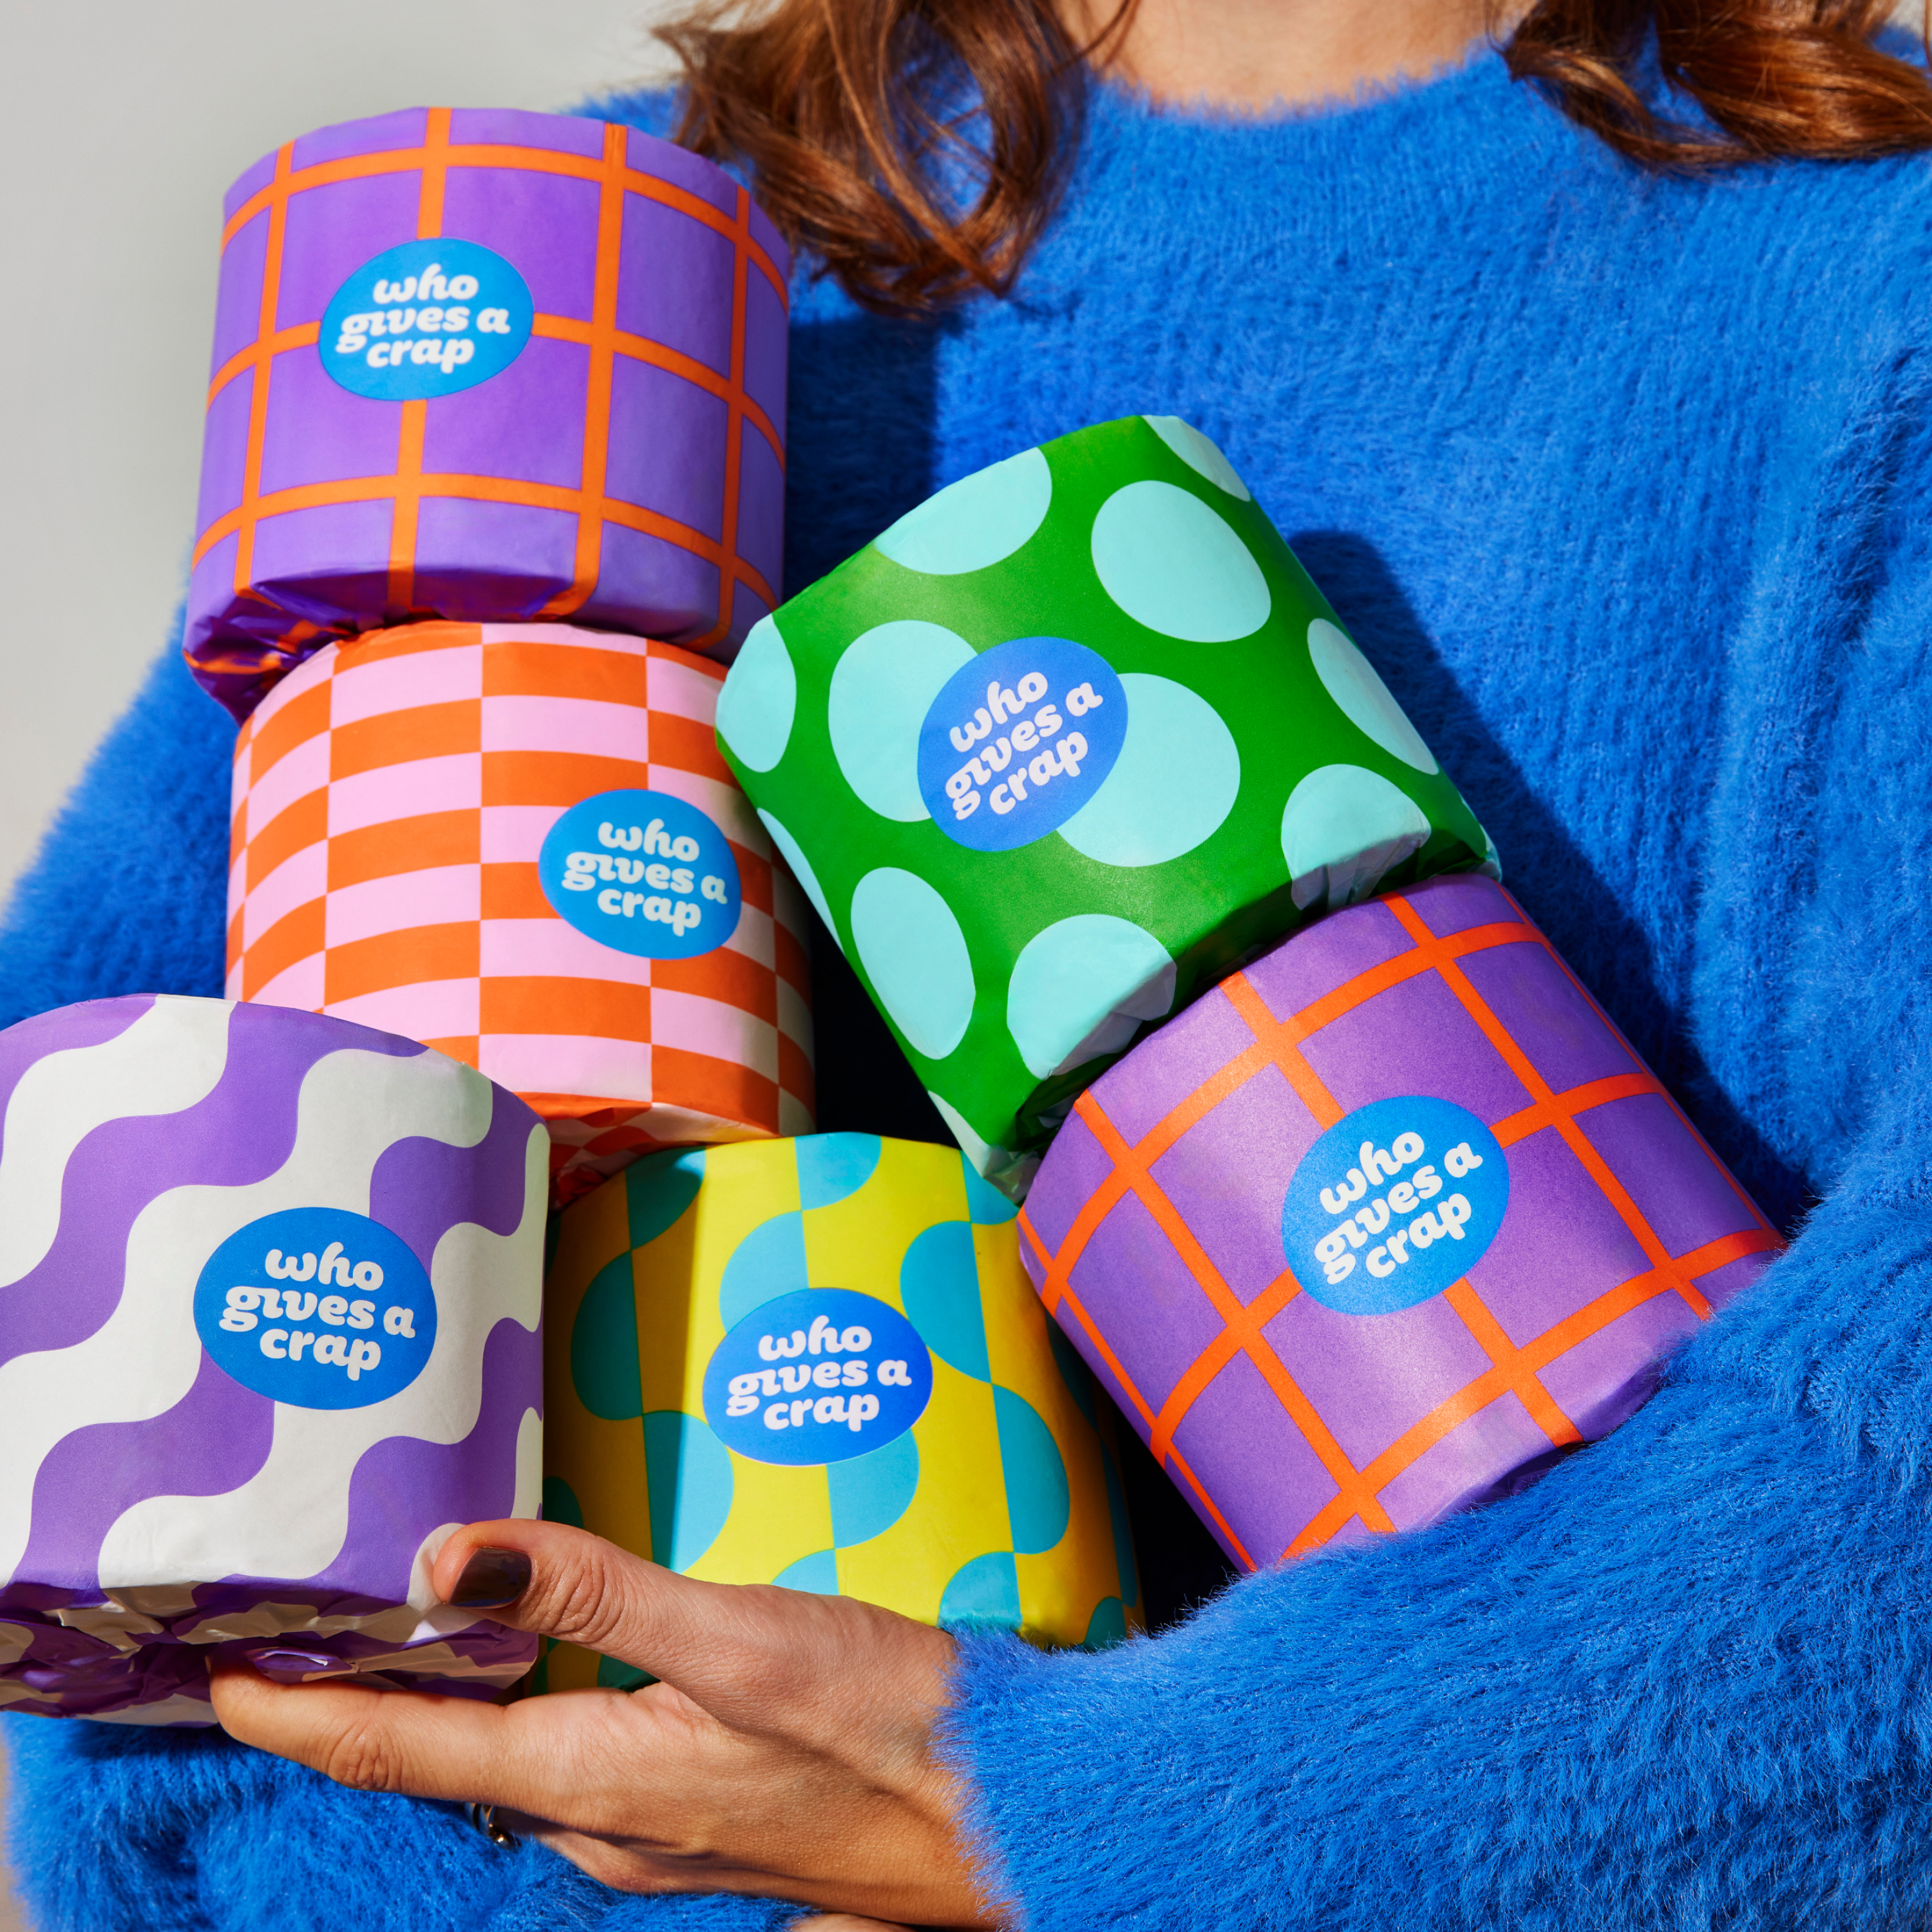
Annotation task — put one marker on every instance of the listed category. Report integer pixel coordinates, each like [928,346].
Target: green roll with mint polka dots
[1057,750]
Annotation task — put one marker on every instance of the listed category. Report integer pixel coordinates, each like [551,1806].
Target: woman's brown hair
[915,148]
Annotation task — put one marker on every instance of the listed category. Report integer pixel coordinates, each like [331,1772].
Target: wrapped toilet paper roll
[1037,813]
[269,1331]
[818,1363]
[484,364]
[1382,1225]
[518,844]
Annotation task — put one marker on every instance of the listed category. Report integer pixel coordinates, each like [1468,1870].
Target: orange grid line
[641,349]
[489,489]
[1475,1396]
[1277,1043]
[1541,1093]
[734,432]
[1069,1301]
[414,421]
[597,402]
[479,155]
[1287,1390]
[258,399]
[409,485]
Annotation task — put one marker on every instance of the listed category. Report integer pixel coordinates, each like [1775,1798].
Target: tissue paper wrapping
[152,1504]
[999,1504]
[393,798]
[1172,1229]
[625,467]
[1186,757]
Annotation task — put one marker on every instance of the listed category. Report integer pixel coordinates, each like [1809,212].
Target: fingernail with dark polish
[491,1579]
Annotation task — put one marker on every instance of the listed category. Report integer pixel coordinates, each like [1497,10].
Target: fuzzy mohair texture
[1624,483]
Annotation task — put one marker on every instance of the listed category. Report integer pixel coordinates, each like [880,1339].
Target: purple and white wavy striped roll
[270,1303]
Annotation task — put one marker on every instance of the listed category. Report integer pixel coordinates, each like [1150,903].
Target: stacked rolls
[1355,1201]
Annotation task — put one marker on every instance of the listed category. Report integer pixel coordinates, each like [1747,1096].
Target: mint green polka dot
[1199,453]
[1081,988]
[1353,682]
[801,868]
[910,945]
[1171,787]
[1173,562]
[760,699]
[882,687]
[1344,829]
[977,521]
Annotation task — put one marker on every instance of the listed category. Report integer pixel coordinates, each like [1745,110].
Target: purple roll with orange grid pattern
[488,366]
[1383,1225]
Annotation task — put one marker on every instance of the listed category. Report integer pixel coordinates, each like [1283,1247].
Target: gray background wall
[124,124]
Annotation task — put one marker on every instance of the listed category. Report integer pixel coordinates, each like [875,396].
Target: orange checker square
[516,843]
[1383,1226]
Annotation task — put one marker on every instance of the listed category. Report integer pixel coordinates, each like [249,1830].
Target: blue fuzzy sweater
[1626,484]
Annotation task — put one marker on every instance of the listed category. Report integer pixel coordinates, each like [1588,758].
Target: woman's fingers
[536,1757]
[844,1922]
[743,1653]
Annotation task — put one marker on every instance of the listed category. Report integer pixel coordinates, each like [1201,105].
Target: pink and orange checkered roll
[518,844]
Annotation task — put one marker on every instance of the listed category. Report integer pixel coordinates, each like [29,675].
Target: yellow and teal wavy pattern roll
[819,1362]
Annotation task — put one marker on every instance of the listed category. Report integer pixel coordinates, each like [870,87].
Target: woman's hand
[787,1750]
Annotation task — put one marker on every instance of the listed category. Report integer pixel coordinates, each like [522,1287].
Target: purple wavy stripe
[402,1488]
[92,1023]
[422,1188]
[212,1441]
[240,1133]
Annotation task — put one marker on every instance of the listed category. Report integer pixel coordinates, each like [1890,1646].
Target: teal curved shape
[604,1345]
[974,523]
[986,1207]
[1073,1371]
[768,1262]
[986,1592]
[760,700]
[832,1167]
[793,855]
[689,1471]
[817,1573]
[939,1288]
[658,1188]
[871,1492]
[1107,1626]
[560,1504]
[1038,1502]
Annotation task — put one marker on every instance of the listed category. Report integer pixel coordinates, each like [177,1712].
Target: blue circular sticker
[1393,1204]
[426,319]
[644,872]
[318,1307]
[1018,740]
[816,1376]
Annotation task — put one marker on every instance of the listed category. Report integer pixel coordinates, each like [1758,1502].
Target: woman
[1589,376]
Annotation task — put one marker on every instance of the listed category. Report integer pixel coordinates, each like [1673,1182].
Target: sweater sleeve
[1685,1681]
[117,1829]
[128,891]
